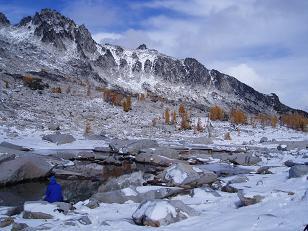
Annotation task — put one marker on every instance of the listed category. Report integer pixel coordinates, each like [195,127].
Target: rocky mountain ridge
[49,42]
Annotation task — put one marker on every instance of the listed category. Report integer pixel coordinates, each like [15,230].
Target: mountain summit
[54,43]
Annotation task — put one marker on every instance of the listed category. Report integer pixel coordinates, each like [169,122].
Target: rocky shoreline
[139,171]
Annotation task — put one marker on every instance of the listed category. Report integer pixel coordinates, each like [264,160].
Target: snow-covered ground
[279,210]
[283,207]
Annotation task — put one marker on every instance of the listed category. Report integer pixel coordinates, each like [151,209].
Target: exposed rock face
[3,20]
[54,28]
[162,212]
[142,47]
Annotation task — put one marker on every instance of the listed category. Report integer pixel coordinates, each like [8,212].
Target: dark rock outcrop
[3,20]
[142,47]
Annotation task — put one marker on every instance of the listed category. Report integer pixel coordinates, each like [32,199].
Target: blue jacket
[54,191]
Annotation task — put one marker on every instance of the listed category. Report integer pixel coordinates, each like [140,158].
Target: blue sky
[263,43]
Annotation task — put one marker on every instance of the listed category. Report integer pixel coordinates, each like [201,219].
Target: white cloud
[248,75]
[103,36]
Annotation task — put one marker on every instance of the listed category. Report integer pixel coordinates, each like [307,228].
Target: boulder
[6,221]
[238,179]
[224,169]
[124,181]
[24,168]
[6,156]
[92,204]
[264,170]
[229,189]
[162,212]
[282,147]
[11,211]
[63,207]
[14,146]
[59,138]
[248,200]
[53,127]
[187,175]
[290,163]
[239,158]
[244,159]
[263,139]
[19,226]
[298,171]
[102,149]
[44,210]
[136,194]
[131,146]
[154,159]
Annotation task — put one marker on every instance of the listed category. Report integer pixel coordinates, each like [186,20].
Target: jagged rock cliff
[49,42]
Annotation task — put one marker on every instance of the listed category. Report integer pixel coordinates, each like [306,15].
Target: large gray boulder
[6,156]
[162,212]
[11,211]
[14,146]
[240,158]
[24,168]
[6,221]
[263,139]
[136,194]
[187,175]
[298,170]
[238,180]
[248,200]
[158,157]
[59,138]
[45,210]
[19,226]
[124,181]
[224,169]
[131,146]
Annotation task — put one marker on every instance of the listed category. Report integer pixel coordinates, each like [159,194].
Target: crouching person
[54,191]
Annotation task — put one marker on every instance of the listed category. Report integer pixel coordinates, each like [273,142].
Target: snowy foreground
[284,203]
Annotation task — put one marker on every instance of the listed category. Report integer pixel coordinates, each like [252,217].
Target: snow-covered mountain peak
[56,44]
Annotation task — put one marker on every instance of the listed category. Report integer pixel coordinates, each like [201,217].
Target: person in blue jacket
[54,191]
